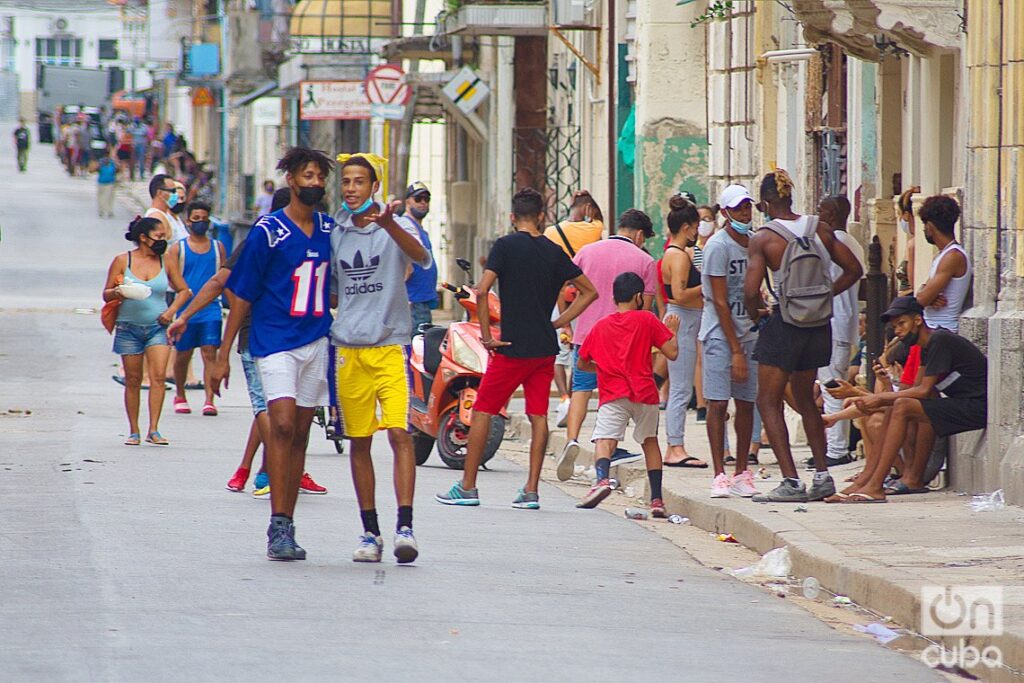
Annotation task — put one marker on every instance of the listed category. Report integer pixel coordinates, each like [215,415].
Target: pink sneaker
[743,485]
[595,495]
[720,486]
[658,510]
[181,406]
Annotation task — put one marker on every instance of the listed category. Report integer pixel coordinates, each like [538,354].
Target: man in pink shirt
[602,262]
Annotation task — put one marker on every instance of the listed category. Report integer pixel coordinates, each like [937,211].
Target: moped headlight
[464,355]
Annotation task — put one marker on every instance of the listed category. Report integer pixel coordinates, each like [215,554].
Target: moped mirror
[464,264]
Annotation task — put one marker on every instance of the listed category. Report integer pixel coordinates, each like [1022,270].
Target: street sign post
[386,85]
[466,90]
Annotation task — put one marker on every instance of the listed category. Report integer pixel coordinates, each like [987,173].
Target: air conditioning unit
[570,12]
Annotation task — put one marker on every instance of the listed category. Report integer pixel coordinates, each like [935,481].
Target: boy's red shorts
[504,375]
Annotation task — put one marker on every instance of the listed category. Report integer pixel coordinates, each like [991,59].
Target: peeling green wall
[671,155]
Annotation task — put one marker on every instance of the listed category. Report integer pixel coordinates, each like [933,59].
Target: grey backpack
[803,283]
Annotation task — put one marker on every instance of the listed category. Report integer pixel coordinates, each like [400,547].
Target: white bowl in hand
[135,290]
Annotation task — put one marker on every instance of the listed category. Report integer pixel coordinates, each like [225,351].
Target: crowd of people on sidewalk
[753,317]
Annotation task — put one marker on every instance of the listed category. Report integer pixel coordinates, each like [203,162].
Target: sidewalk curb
[885,590]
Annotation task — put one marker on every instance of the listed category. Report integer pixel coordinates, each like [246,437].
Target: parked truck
[61,86]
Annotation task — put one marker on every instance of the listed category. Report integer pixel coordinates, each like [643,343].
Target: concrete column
[671,135]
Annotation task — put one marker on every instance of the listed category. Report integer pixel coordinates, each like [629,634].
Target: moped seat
[432,340]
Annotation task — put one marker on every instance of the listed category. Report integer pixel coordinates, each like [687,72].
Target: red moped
[447,366]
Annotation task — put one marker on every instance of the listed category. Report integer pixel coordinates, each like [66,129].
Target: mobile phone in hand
[832,384]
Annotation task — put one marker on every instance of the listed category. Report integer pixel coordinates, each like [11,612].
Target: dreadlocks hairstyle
[777,186]
[296,158]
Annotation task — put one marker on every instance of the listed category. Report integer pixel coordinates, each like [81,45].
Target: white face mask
[706,228]
[905,225]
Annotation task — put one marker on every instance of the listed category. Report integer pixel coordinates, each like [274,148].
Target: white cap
[733,196]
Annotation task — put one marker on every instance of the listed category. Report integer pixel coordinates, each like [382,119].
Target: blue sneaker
[526,500]
[623,457]
[262,480]
[457,495]
[280,542]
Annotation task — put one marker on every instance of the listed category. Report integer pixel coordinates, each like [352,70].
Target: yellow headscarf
[380,167]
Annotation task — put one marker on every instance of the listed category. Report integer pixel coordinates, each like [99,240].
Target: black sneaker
[702,416]
[280,543]
[829,462]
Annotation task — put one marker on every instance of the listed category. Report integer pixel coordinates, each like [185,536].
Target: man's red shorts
[504,375]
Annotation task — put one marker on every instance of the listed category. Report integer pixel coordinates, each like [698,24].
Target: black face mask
[200,228]
[691,243]
[311,196]
[928,237]
[178,208]
[159,247]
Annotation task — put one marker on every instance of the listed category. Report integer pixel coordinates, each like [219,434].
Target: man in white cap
[728,337]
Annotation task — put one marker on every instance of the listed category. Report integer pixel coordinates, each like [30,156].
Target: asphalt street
[128,564]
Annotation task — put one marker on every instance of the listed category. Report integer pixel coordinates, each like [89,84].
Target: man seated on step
[950,398]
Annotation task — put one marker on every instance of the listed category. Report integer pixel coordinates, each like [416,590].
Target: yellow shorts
[366,377]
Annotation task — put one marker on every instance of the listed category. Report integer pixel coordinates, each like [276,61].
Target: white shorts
[564,357]
[299,373]
[614,417]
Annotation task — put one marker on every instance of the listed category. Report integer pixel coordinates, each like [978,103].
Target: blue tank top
[145,311]
[198,269]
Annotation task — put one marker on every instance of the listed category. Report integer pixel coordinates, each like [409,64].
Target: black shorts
[955,415]
[794,349]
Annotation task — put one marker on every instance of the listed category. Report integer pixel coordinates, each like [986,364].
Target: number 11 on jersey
[303,278]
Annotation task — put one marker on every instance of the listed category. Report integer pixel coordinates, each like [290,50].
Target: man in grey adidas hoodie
[370,253]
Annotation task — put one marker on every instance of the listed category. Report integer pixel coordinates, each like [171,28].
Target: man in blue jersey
[283,278]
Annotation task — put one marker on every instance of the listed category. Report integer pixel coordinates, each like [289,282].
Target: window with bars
[59,51]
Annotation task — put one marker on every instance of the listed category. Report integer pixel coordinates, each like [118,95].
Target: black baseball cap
[417,188]
[902,305]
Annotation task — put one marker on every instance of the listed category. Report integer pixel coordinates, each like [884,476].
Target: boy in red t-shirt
[619,348]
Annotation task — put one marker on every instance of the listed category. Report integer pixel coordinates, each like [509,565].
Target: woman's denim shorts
[131,339]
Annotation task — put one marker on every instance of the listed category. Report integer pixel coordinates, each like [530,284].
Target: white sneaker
[565,464]
[406,549]
[743,485]
[562,413]
[369,550]
[720,486]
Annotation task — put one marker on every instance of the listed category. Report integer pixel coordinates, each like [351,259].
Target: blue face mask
[172,201]
[741,228]
[364,207]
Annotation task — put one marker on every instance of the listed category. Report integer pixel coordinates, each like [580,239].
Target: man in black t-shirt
[950,398]
[21,139]
[530,270]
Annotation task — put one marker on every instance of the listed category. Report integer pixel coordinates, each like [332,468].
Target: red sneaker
[307,485]
[658,509]
[237,482]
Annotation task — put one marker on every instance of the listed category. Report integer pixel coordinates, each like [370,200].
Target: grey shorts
[716,372]
[614,417]
[564,357]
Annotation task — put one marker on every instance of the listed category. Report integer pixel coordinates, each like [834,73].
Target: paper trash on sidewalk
[881,633]
[775,564]
[988,502]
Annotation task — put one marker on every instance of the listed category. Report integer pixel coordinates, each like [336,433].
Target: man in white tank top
[167,195]
[944,293]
